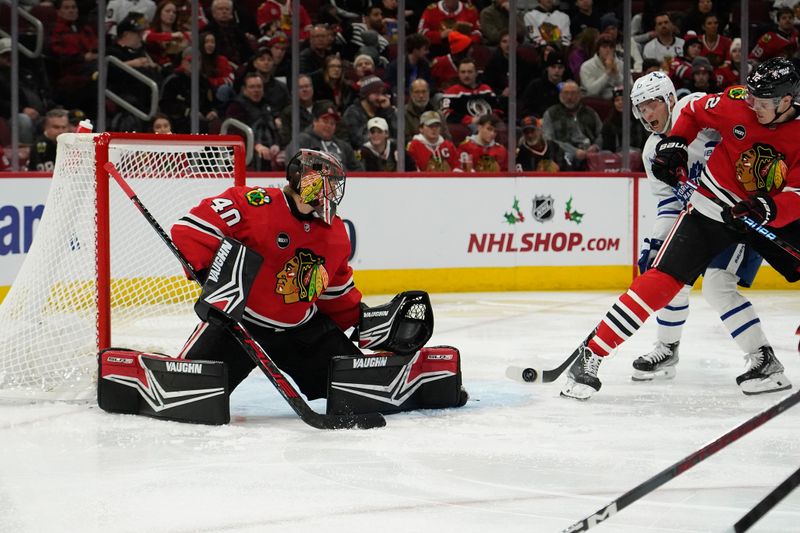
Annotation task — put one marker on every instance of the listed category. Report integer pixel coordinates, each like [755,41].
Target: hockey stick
[770,500]
[683,465]
[532,375]
[251,347]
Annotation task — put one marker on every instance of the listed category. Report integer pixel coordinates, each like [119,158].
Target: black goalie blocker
[227,285]
[163,387]
[387,383]
[402,326]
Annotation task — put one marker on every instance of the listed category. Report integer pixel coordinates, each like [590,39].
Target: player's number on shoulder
[226,211]
[712,102]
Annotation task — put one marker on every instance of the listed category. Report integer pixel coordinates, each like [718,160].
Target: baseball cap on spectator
[554,59]
[278,38]
[458,42]
[430,117]
[326,109]
[369,85]
[701,63]
[531,122]
[609,19]
[690,38]
[134,22]
[5,45]
[378,122]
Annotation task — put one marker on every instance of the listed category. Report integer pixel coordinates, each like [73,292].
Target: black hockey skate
[658,364]
[765,373]
[582,380]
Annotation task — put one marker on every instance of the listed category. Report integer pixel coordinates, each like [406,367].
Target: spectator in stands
[164,40]
[612,126]
[31,105]
[379,152]
[276,93]
[664,46]
[73,50]
[419,102]
[610,24]
[74,117]
[603,72]
[534,153]
[465,101]
[440,17]
[542,93]
[576,128]
[650,65]
[305,93]
[43,152]
[129,49]
[693,21]
[363,66]
[779,42]
[279,45]
[583,48]
[185,15]
[276,15]
[583,15]
[444,69]
[252,108]
[716,47]
[321,135]
[372,102]
[216,68]
[680,70]
[728,73]
[547,26]
[703,80]
[232,41]
[330,84]
[118,10]
[370,46]
[417,66]
[372,20]
[480,152]
[494,22]
[161,124]
[320,41]
[176,104]
[430,151]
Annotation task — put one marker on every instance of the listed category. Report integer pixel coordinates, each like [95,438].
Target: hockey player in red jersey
[753,172]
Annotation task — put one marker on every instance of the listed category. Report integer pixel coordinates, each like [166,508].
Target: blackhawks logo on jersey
[737,92]
[761,168]
[303,277]
[257,197]
[486,163]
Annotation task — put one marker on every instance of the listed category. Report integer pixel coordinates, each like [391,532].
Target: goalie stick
[770,500]
[251,347]
[532,375]
[645,488]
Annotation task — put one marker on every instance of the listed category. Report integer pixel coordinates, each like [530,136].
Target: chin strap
[779,115]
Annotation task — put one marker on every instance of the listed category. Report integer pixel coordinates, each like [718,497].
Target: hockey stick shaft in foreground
[770,500]
[251,347]
[683,465]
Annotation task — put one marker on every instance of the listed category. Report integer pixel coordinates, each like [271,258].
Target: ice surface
[515,458]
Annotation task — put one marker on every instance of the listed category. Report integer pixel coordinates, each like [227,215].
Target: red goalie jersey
[305,261]
[751,157]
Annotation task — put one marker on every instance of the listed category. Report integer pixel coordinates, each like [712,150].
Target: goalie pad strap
[164,387]
[389,383]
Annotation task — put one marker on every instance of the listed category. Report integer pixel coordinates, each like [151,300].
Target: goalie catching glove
[402,326]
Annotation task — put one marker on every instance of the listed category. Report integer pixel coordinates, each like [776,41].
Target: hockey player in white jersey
[654,104]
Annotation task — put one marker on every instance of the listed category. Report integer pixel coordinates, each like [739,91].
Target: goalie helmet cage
[95,263]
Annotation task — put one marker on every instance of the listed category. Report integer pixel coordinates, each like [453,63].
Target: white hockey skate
[658,364]
[765,373]
[582,380]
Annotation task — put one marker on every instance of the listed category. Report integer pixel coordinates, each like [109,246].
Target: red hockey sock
[647,294]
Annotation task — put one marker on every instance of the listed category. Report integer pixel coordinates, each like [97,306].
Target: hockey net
[97,275]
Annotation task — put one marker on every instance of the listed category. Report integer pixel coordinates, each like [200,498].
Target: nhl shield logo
[543,208]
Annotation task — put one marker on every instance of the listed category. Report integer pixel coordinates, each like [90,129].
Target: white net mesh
[48,320]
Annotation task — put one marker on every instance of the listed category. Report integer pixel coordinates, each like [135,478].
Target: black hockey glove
[671,159]
[760,207]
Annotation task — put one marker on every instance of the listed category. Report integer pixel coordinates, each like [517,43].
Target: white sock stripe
[630,318]
[602,344]
[635,297]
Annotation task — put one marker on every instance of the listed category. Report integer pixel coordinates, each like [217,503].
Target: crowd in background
[569,74]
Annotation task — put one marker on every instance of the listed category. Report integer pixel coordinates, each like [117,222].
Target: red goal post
[96,274]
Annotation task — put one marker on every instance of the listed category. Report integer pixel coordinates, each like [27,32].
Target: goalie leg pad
[389,383]
[163,387]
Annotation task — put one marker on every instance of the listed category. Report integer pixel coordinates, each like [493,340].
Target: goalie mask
[318,177]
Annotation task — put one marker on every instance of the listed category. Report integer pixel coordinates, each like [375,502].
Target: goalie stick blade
[365,421]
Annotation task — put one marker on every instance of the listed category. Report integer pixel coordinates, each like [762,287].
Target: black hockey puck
[529,374]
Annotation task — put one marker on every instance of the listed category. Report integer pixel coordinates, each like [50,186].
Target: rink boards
[450,233]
